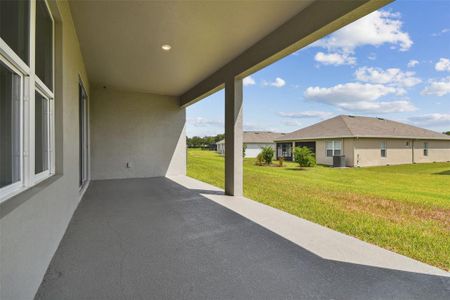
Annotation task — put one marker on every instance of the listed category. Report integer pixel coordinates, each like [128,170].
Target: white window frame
[84,156]
[16,186]
[46,173]
[30,83]
[383,146]
[426,149]
[331,145]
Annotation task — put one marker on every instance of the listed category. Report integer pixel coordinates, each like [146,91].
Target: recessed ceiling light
[166,47]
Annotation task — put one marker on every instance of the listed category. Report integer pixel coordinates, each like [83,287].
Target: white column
[233,138]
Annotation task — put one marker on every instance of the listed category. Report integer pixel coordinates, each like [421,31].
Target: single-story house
[366,141]
[253,141]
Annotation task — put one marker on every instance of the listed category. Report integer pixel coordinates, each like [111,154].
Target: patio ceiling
[121,40]
[211,40]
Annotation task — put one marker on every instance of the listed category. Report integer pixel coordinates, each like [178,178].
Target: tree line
[204,142]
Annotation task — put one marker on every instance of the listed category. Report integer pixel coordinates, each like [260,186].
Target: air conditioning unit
[339,161]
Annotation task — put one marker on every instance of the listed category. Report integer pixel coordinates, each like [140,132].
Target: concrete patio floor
[178,238]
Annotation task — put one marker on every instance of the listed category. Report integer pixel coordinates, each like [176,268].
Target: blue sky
[393,63]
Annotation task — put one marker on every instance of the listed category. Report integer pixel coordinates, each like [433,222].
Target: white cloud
[392,77]
[202,122]
[306,114]
[380,106]
[443,31]
[293,123]
[248,81]
[335,59]
[443,65]
[372,56]
[258,127]
[412,63]
[431,119]
[440,87]
[278,82]
[359,97]
[376,29]
[348,92]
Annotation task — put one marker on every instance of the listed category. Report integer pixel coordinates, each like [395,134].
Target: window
[284,150]
[26,97]
[41,134]
[425,149]
[333,148]
[383,149]
[83,133]
[44,44]
[10,120]
[14,27]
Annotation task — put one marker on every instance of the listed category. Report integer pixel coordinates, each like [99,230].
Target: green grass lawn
[404,208]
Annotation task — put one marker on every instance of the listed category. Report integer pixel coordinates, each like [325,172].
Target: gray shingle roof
[356,126]
[258,137]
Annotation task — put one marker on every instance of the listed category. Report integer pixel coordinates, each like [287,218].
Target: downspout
[412,152]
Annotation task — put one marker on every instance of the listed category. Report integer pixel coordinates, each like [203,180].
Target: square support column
[233,138]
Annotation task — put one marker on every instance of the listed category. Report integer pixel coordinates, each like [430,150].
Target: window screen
[44,44]
[9,126]
[41,145]
[15,26]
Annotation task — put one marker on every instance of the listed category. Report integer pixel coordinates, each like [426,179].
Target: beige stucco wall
[438,151]
[33,223]
[349,152]
[145,130]
[368,152]
[321,155]
[323,159]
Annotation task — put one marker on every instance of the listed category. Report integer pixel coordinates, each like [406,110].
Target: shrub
[304,157]
[280,161]
[267,154]
[244,147]
[259,160]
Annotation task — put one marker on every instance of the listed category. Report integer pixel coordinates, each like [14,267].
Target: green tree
[304,157]
[447,133]
[219,137]
[267,154]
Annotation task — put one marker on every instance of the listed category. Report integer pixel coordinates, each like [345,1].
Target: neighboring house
[254,141]
[367,142]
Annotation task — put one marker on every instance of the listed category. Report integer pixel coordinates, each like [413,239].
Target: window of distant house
[383,149]
[26,96]
[333,148]
[425,149]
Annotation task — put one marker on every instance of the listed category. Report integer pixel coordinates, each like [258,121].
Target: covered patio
[162,238]
[94,201]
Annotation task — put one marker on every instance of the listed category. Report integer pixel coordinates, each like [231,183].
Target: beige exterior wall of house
[33,223]
[438,151]
[349,152]
[368,152]
[321,153]
[399,151]
[136,135]
[365,152]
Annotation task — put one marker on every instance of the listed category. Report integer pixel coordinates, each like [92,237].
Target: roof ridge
[346,125]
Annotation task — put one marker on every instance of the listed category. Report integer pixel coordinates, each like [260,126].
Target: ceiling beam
[312,23]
